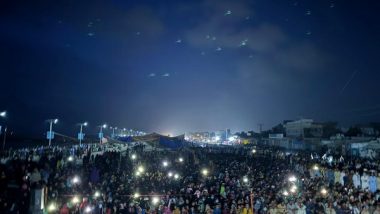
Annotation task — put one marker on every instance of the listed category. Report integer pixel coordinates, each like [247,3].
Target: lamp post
[50,134]
[113,131]
[101,132]
[81,136]
[3,114]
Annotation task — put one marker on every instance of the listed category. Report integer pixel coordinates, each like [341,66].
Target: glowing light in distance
[170,174]
[133,156]
[155,200]
[323,191]
[285,193]
[253,151]
[75,180]
[97,194]
[180,159]
[136,195]
[292,178]
[3,114]
[52,207]
[70,158]
[245,180]
[75,199]
[55,121]
[176,176]
[165,163]
[141,169]
[87,209]
[315,167]
[204,171]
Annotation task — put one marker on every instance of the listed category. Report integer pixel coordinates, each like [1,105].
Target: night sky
[176,66]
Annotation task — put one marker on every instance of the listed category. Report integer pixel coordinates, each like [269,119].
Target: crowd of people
[116,178]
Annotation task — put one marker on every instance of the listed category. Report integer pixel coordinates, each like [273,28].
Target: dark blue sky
[175,66]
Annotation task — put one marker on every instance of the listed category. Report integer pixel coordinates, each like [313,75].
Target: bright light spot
[97,194]
[75,200]
[55,121]
[315,167]
[136,195]
[285,193]
[293,189]
[324,191]
[138,173]
[176,176]
[170,174]
[165,163]
[52,207]
[231,138]
[245,180]
[104,126]
[3,114]
[87,209]
[180,159]
[253,151]
[217,138]
[140,169]
[292,179]
[75,180]
[85,123]
[204,171]
[70,158]
[155,200]
[133,157]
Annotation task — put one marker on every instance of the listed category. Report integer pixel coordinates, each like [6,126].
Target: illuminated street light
[75,180]
[133,156]
[155,200]
[293,189]
[245,180]
[140,169]
[70,159]
[136,195]
[138,173]
[52,207]
[285,193]
[204,172]
[253,151]
[323,191]
[50,134]
[315,167]
[3,114]
[180,159]
[104,126]
[97,194]
[176,176]
[292,179]
[81,135]
[75,200]
[87,209]
[170,174]
[165,163]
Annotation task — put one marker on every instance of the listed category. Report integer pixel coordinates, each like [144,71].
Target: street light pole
[50,135]
[101,132]
[3,114]
[81,133]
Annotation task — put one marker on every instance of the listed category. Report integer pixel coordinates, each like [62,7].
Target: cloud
[166,75]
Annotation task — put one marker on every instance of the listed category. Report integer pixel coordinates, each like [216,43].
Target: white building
[297,128]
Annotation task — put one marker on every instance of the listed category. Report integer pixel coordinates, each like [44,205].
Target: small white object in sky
[308,13]
[243,43]
[218,49]
[178,41]
[91,34]
[152,75]
[228,12]
[166,75]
